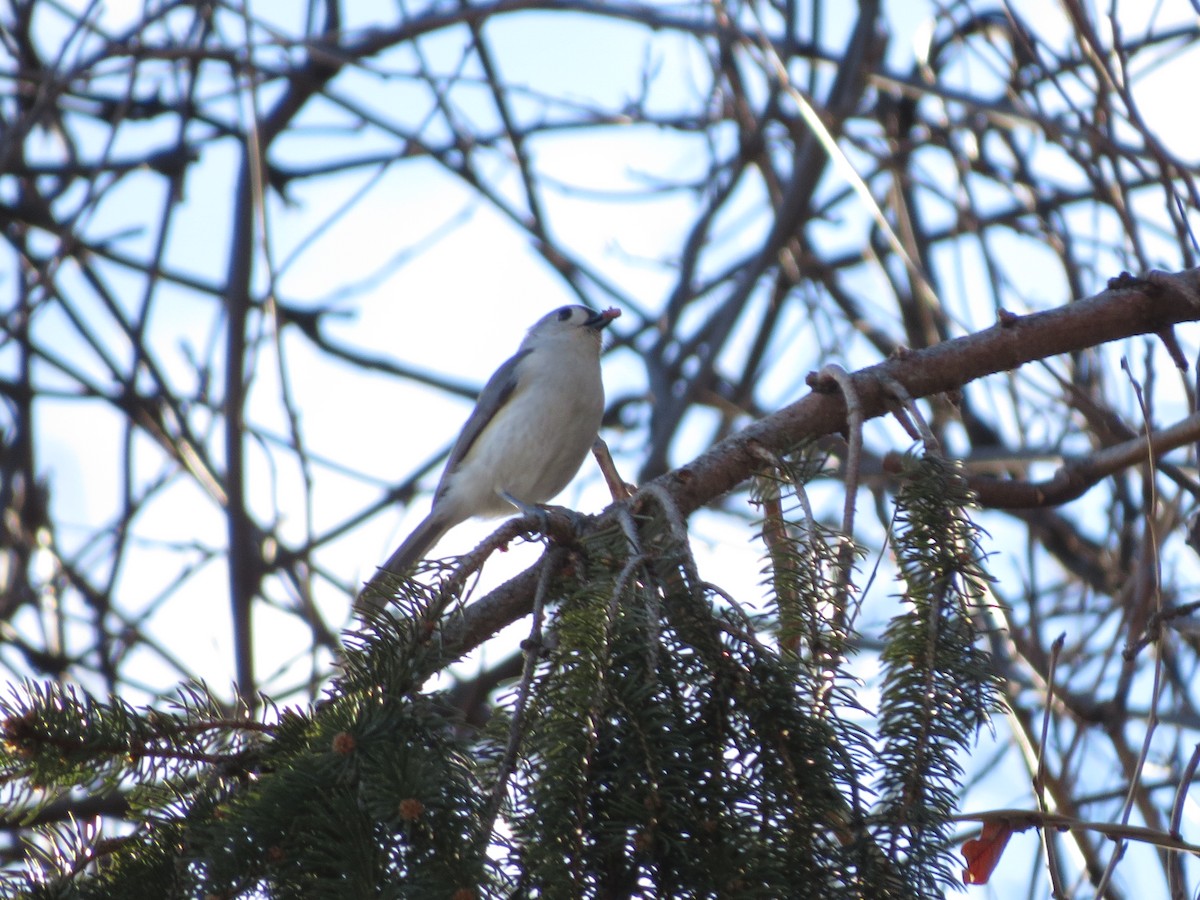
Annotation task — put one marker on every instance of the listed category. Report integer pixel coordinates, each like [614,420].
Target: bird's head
[570,323]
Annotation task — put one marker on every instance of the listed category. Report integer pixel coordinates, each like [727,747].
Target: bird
[532,427]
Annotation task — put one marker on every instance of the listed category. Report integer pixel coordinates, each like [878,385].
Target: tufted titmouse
[530,431]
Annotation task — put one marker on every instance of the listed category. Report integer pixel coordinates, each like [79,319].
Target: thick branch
[1074,479]
[1128,308]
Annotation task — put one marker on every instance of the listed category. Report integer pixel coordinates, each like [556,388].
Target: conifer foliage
[660,742]
[940,686]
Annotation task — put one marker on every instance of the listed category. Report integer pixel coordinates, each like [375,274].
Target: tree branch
[1128,308]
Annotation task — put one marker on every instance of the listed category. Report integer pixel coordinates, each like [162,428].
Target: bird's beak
[601,319]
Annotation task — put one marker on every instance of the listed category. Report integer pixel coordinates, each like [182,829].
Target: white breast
[536,443]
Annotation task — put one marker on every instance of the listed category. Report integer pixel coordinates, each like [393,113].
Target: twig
[533,648]
[854,426]
[1039,778]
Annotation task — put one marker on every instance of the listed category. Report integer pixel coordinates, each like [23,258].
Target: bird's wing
[492,398]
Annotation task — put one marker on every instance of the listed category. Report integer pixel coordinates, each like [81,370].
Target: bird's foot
[558,523]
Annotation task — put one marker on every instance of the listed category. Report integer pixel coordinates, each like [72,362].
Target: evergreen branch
[939,687]
[57,737]
[729,783]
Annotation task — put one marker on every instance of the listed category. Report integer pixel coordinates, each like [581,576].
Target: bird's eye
[564,314]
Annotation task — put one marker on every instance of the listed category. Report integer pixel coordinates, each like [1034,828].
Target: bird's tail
[374,594]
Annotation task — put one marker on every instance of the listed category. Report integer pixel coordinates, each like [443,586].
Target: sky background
[430,277]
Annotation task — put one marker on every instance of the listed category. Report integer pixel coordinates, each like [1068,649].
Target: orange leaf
[983,854]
